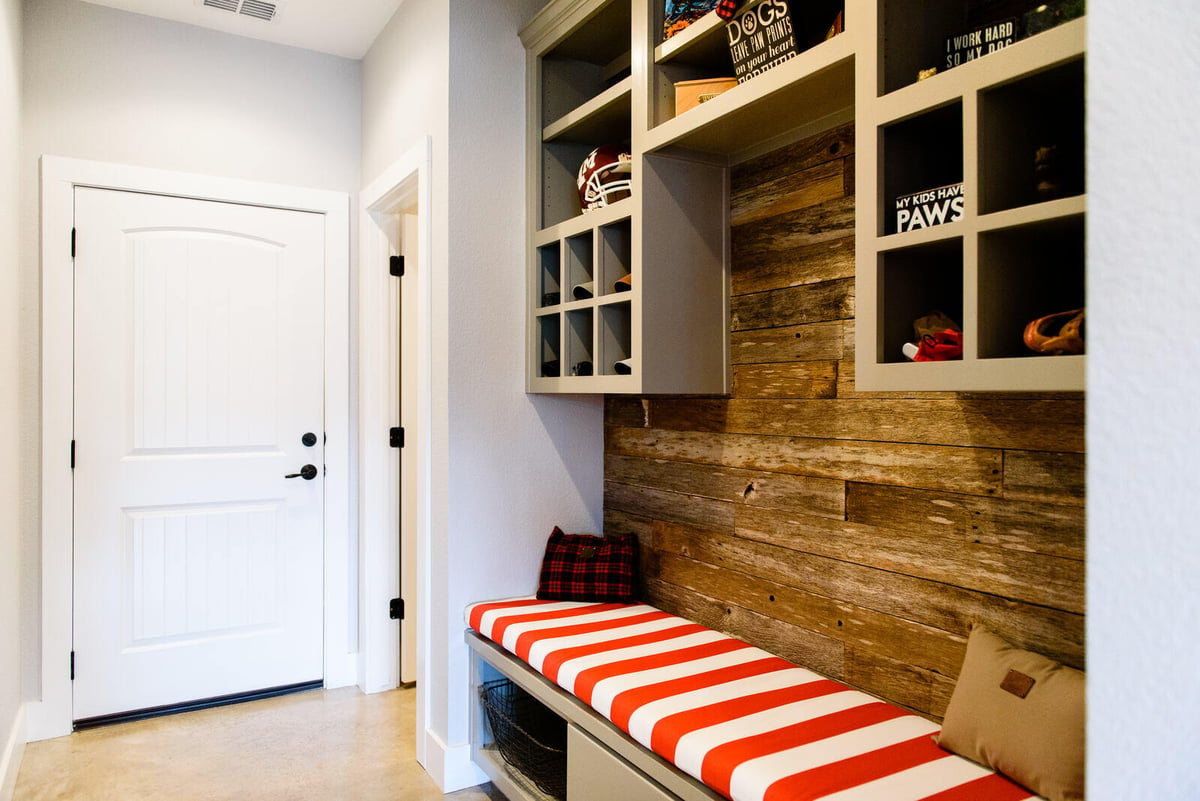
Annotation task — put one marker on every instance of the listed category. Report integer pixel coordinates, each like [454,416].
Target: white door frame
[400,188]
[52,715]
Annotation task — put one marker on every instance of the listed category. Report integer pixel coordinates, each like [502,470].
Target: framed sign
[771,32]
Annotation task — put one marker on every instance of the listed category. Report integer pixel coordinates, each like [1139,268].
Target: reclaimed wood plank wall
[860,534]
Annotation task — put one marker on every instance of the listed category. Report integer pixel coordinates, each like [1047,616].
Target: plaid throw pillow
[727,8]
[582,567]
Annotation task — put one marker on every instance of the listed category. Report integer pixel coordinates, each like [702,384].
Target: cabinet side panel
[684,276]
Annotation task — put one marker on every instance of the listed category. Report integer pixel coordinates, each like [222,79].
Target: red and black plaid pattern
[727,8]
[582,567]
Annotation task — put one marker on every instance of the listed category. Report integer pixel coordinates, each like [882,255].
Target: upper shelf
[597,119]
[1043,51]
[813,89]
[699,42]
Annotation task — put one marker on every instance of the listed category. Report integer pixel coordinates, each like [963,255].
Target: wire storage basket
[528,735]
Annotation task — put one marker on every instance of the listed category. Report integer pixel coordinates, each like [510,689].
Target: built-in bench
[659,708]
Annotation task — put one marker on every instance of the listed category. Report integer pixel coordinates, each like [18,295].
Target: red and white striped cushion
[750,725]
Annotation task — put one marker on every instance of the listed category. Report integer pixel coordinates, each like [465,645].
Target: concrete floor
[323,745]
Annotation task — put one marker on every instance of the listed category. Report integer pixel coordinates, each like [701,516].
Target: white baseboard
[10,758]
[451,766]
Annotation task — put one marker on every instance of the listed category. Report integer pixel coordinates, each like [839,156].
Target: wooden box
[689,94]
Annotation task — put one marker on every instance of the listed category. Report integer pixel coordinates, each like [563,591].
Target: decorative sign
[979,42]
[930,207]
[760,38]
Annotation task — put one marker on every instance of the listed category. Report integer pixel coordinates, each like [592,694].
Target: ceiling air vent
[259,9]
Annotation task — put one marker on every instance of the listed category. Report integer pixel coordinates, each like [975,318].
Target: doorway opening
[394,294]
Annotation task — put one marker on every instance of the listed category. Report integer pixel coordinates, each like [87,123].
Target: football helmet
[604,177]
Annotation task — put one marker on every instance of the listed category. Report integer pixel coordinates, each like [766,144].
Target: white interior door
[199,332]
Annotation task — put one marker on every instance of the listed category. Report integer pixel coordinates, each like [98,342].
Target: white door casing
[395,216]
[50,714]
[198,368]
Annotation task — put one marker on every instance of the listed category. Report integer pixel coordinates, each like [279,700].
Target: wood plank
[787,267]
[673,506]
[618,522]
[625,410]
[905,685]
[941,689]
[915,644]
[786,193]
[1049,477]
[834,144]
[817,496]
[966,470]
[788,380]
[818,341]
[1020,525]
[1033,578]
[799,645]
[848,183]
[1053,632]
[828,221]
[812,303]
[1024,424]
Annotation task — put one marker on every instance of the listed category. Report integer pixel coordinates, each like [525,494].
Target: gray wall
[507,466]
[1143,436]
[112,86]
[10,358]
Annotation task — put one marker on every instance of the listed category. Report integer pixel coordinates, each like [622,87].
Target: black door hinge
[396,609]
[72,454]
[72,666]
[396,265]
[396,437]
[72,243]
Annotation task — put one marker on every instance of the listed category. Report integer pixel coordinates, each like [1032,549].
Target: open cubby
[593,57]
[580,268]
[616,255]
[915,281]
[920,153]
[1015,120]
[549,275]
[549,332]
[689,56]
[1025,273]
[560,169]
[616,340]
[580,341]
[914,33]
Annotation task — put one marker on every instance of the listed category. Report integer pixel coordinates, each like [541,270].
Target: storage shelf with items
[921,38]
[628,316]
[810,91]
[583,89]
[1025,273]
[1035,122]
[975,198]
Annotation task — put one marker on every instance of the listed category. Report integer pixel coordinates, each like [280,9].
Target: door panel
[199,341]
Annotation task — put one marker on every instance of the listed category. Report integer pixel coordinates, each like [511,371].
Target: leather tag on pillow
[1018,683]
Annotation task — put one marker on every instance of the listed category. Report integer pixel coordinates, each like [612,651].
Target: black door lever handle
[308,473]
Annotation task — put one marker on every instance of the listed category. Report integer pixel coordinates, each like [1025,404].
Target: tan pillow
[1036,740]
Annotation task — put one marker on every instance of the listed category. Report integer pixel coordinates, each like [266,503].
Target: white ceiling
[342,27]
